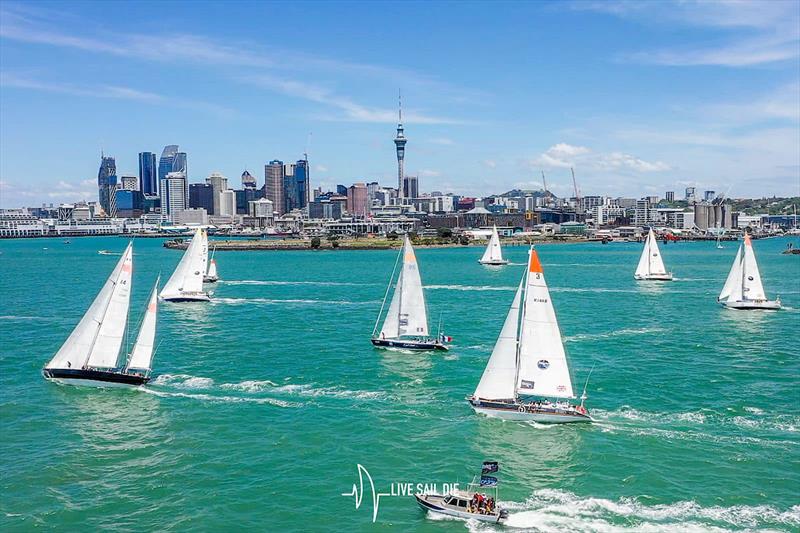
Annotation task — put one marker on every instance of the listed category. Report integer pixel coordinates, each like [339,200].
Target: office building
[227,203]
[201,196]
[290,193]
[341,190]
[248,180]
[129,203]
[148,174]
[219,183]
[670,196]
[273,185]
[302,182]
[107,184]
[174,194]
[130,183]
[357,200]
[325,209]
[244,197]
[410,187]
[709,196]
[690,194]
[171,161]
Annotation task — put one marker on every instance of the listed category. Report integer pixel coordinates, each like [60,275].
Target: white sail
[493,253]
[212,269]
[391,325]
[188,275]
[142,353]
[650,262]
[752,288]
[497,381]
[543,367]
[412,314]
[732,290]
[75,351]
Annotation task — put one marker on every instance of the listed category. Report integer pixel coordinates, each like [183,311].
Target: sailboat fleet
[527,376]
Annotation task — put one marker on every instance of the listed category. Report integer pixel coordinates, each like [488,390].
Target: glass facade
[107,184]
[201,195]
[301,179]
[130,204]
[148,176]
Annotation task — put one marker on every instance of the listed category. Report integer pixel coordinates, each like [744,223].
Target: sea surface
[265,400]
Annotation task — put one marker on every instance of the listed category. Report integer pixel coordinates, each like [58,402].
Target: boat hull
[434,503]
[187,297]
[494,263]
[210,280]
[399,344]
[654,277]
[772,305]
[94,378]
[526,413]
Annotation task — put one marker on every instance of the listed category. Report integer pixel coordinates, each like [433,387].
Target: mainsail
[493,253]
[543,368]
[188,276]
[752,288]
[142,354]
[407,315]
[650,262]
[497,381]
[97,338]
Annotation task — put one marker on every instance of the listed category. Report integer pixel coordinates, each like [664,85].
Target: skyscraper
[172,161]
[302,181]
[273,185]
[174,193]
[357,200]
[219,183]
[400,146]
[201,195]
[107,184]
[290,196]
[148,174]
[248,180]
[410,187]
[670,196]
[129,183]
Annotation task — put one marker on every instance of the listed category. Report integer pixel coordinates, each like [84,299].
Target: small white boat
[494,253]
[651,265]
[91,353]
[186,283]
[478,502]
[211,276]
[743,288]
[527,377]
[406,323]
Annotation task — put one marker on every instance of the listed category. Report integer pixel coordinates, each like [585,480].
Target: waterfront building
[130,183]
[107,184]
[130,203]
[357,201]
[148,174]
[201,196]
[642,215]
[19,223]
[607,214]
[670,196]
[248,180]
[219,183]
[410,187]
[713,215]
[400,146]
[261,208]
[192,216]
[273,186]
[380,227]
[174,194]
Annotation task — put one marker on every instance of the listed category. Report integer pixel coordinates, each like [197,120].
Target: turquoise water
[265,400]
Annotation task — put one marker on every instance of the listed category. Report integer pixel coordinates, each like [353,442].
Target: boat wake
[469,288]
[224,399]
[586,289]
[296,301]
[556,510]
[616,333]
[16,317]
[276,282]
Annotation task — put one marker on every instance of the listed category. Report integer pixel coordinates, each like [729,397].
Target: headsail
[732,290]
[497,381]
[188,275]
[493,253]
[142,353]
[109,308]
[752,288]
[543,367]
[650,262]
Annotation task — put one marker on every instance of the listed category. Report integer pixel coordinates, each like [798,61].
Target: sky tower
[400,145]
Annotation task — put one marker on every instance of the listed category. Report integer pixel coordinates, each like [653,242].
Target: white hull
[501,262]
[653,277]
[763,304]
[92,383]
[545,418]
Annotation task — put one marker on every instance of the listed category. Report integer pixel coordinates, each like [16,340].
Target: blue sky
[640,97]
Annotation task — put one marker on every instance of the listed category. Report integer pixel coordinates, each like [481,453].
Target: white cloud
[444,141]
[429,173]
[618,160]
[563,155]
[320,168]
[489,163]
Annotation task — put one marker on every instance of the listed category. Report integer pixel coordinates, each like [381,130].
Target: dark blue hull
[100,376]
[409,345]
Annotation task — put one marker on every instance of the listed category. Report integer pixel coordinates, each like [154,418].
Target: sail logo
[544,364]
[395,489]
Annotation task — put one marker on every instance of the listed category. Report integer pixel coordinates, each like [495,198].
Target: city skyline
[671,112]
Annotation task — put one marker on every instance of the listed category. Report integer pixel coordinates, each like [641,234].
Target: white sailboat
[494,253]
[211,276]
[651,265]
[743,288]
[529,361]
[186,283]
[406,323]
[90,354]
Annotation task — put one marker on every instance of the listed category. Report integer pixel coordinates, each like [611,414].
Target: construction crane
[575,186]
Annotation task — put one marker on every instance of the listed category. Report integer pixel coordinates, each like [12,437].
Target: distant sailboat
[494,253]
[211,276]
[529,360]
[651,266]
[406,323]
[186,283]
[743,288]
[90,354]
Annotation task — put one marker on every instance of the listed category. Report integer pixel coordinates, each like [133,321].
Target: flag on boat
[488,481]
[445,338]
[490,467]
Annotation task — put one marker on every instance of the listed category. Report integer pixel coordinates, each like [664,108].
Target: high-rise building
[341,190]
[244,197]
[107,184]
[220,184]
[172,161]
[357,200]
[410,187]
[248,180]
[148,174]
[130,203]
[400,145]
[670,196]
[201,195]
[690,194]
[709,196]
[302,182]
[227,203]
[179,164]
[273,186]
[290,193]
[130,183]
[174,193]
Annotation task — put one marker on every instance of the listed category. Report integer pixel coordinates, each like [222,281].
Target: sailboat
[211,276]
[406,323]
[90,354]
[743,288]
[494,253]
[527,377]
[651,266]
[186,283]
